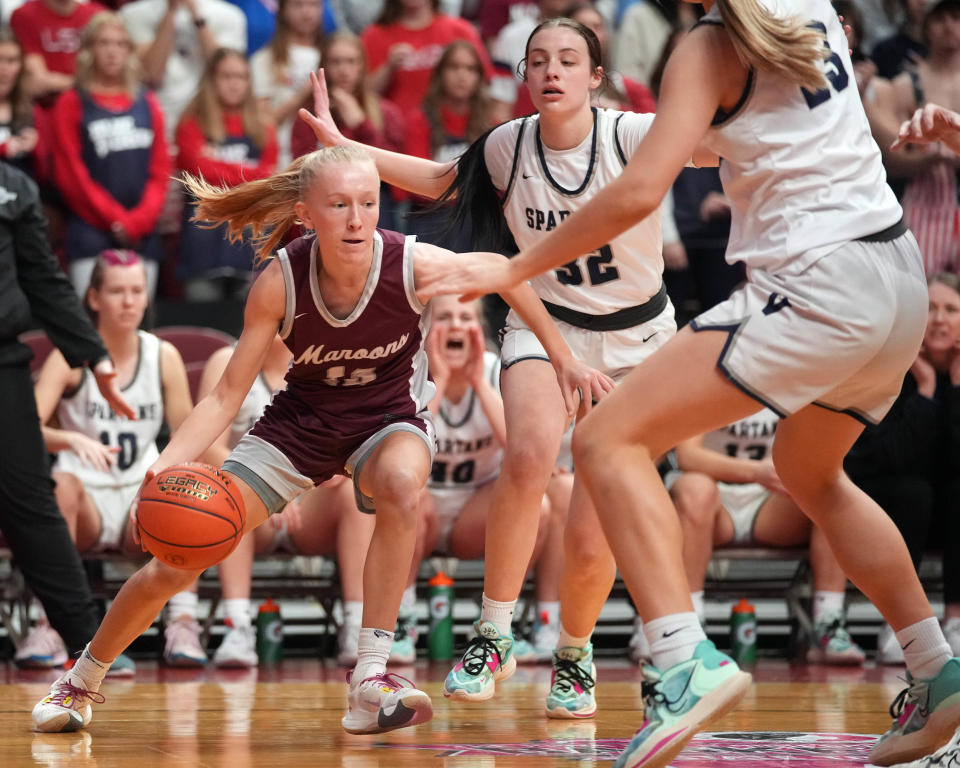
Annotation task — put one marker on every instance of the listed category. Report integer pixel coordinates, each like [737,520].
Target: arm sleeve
[86,198]
[53,301]
[141,220]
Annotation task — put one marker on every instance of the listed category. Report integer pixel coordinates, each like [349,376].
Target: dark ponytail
[476,203]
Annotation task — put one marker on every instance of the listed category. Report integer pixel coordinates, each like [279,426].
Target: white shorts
[281,541]
[841,334]
[614,353]
[113,505]
[742,501]
[447,505]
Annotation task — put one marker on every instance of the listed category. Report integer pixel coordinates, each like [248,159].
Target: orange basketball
[190,516]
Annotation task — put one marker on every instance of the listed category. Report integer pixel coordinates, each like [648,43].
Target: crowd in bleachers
[105,107]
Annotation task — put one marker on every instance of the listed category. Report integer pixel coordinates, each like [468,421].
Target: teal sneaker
[523,651]
[571,684]
[832,644]
[926,714]
[487,660]
[682,701]
[404,648]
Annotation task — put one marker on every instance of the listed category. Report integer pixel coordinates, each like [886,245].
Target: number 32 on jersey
[599,268]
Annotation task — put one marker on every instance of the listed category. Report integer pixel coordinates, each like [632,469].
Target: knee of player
[163,579]
[591,449]
[397,492]
[696,498]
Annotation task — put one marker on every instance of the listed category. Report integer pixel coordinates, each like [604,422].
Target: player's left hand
[581,385]
[106,377]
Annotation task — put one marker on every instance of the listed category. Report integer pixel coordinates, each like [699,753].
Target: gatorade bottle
[440,639]
[269,633]
[743,632]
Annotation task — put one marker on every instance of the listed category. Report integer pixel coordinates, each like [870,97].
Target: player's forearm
[527,304]
[722,468]
[206,422]
[415,174]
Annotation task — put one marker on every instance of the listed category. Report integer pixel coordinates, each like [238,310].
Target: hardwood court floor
[291,717]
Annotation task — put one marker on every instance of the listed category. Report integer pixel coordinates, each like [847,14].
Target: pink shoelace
[66,690]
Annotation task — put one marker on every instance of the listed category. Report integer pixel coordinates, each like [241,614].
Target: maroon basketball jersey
[371,363]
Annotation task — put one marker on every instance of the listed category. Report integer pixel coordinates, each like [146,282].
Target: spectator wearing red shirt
[405,44]
[111,158]
[224,140]
[456,112]
[18,137]
[617,91]
[357,110]
[49,31]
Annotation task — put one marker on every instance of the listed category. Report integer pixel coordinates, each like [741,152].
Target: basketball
[190,516]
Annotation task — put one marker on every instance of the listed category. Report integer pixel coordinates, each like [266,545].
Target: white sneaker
[182,648]
[238,650]
[888,647]
[639,648]
[383,703]
[348,642]
[951,631]
[42,648]
[67,706]
[540,647]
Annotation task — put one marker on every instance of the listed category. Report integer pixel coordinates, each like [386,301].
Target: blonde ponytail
[265,206]
[785,47]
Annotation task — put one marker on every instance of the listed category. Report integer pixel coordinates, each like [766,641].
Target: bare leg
[808,453]
[536,421]
[703,521]
[393,476]
[549,568]
[78,509]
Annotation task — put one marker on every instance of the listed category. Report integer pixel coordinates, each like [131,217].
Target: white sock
[352,613]
[237,609]
[827,605]
[925,650]
[501,614]
[673,638]
[90,670]
[180,605]
[571,641]
[409,600]
[698,606]
[373,650]
[549,613]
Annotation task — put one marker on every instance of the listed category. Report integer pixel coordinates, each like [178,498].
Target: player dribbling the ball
[345,301]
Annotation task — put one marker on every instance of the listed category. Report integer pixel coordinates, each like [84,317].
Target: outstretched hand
[321,120]
[929,124]
[106,377]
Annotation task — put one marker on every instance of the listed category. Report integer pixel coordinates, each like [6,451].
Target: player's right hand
[321,121]
[581,385]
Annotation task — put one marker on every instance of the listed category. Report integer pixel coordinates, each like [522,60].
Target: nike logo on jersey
[650,336]
[297,317]
[395,719]
[527,175]
[544,221]
[775,303]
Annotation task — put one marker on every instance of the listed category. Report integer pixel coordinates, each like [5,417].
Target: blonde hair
[787,47]
[205,106]
[266,206]
[363,93]
[84,61]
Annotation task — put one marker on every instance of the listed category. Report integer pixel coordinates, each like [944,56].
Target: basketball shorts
[113,505]
[614,353]
[841,334]
[742,501]
[274,478]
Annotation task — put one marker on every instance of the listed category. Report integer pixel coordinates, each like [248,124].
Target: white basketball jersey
[543,186]
[87,411]
[801,168]
[251,408]
[468,453]
[749,438]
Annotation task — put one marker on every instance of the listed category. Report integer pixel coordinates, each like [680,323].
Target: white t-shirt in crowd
[301,61]
[185,64]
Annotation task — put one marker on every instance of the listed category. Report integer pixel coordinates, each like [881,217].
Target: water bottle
[743,632]
[269,633]
[440,639]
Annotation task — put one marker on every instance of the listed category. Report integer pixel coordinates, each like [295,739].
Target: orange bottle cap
[743,606]
[269,606]
[440,580]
